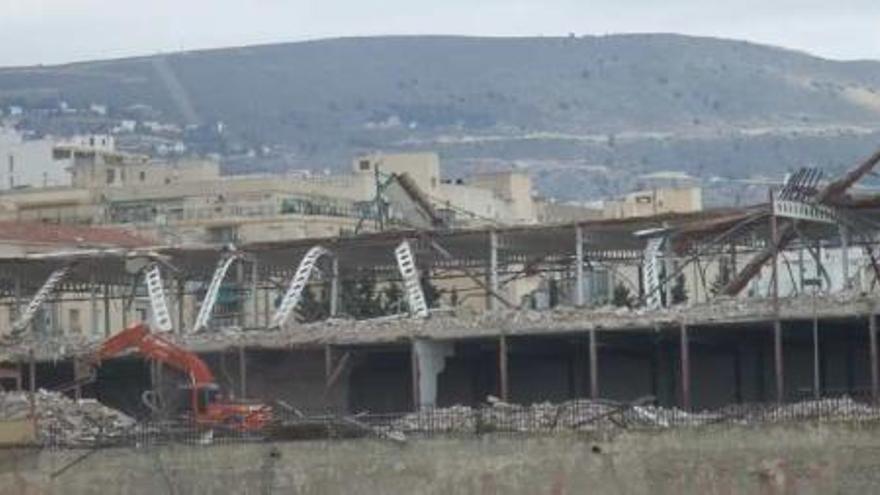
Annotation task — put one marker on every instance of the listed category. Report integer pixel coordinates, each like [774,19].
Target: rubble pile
[64,421]
[837,408]
[578,415]
[603,415]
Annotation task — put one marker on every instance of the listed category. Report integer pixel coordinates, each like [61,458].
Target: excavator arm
[207,407]
[154,346]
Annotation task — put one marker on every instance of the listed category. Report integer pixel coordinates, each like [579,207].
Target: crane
[209,408]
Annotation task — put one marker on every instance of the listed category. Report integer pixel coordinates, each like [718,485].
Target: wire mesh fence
[581,416]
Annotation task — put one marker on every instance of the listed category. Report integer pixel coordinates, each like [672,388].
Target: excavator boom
[154,346]
[207,409]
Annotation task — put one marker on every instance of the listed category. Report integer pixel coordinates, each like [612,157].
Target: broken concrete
[463,324]
[62,421]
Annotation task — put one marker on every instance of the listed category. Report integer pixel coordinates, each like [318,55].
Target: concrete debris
[466,323]
[578,415]
[62,421]
[837,408]
[603,415]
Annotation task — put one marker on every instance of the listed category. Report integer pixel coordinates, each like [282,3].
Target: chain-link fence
[582,416]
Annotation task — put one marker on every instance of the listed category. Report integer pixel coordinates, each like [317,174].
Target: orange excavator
[208,406]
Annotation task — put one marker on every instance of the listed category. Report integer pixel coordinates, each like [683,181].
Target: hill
[567,108]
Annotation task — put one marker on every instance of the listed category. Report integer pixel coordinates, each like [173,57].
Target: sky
[55,31]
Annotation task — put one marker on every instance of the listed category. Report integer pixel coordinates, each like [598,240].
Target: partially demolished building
[774,302]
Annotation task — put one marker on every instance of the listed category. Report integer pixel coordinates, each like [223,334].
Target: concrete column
[777,324]
[594,365]
[255,286]
[107,322]
[239,294]
[872,341]
[242,371]
[738,373]
[429,360]
[579,369]
[334,287]
[181,305]
[266,306]
[328,364]
[492,276]
[777,360]
[844,256]
[17,289]
[579,266]
[685,353]
[32,382]
[93,303]
[503,383]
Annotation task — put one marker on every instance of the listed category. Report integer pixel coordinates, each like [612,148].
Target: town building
[189,200]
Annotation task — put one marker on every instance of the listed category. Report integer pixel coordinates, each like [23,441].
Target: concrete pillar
[266,306]
[334,287]
[844,257]
[181,305]
[93,304]
[107,321]
[255,286]
[492,302]
[429,360]
[738,373]
[242,371]
[328,364]
[685,353]
[594,365]
[32,382]
[872,342]
[503,383]
[239,295]
[777,324]
[777,361]
[579,266]
[17,289]
[579,369]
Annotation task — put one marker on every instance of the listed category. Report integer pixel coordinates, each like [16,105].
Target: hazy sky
[52,31]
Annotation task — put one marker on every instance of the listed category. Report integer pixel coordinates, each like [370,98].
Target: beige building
[190,201]
[654,202]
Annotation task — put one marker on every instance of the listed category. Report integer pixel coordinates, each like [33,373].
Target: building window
[111,175]
[364,164]
[143,176]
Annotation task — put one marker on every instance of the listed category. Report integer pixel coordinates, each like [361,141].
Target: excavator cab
[206,395]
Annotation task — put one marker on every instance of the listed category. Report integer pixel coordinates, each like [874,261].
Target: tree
[432,293]
[723,277]
[622,296]
[359,298]
[393,301]
[311,308]
[679,290]
[553,293]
